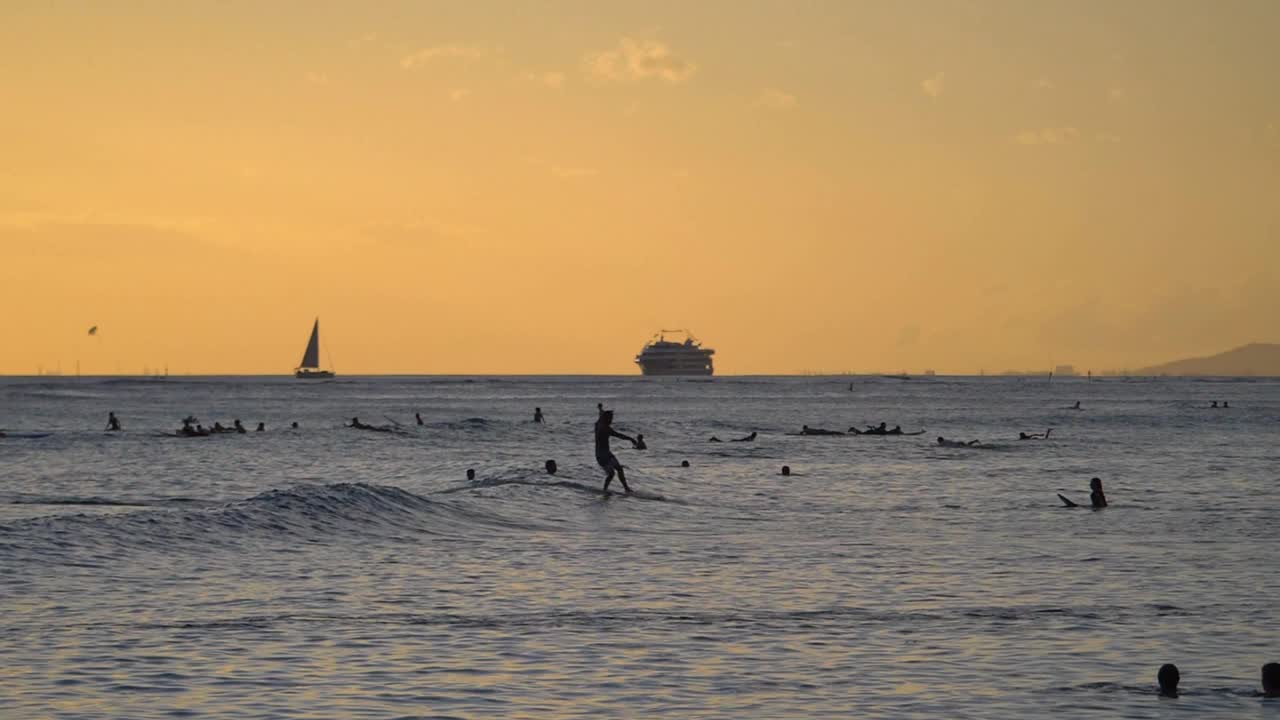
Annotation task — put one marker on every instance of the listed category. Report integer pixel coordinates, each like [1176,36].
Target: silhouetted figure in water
[715,439]
[605,456]
[957,443]
[355,423]
[897,430]
[745,438]
[684,463]
[112,423]
[418,417]
[1035,436]
[217,427]
[1271,680]
[551,468]
[537,415]
[471,473]
[786,471]
[1097,498]
[238,426]
[1214,404]
[639,442]
[261,427]
[294,425]
[1226,404]
[806,430]
[1168,677]
[1076,406]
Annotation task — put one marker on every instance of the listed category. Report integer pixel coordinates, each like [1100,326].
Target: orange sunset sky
[537,187]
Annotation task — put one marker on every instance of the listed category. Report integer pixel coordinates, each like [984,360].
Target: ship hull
[304,374]
[669,371]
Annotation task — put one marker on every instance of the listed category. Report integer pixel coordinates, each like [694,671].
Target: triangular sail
[311,358]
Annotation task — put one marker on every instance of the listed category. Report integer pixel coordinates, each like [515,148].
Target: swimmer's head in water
[786,469]
[1271,679]
[471,474]
[684,463]
[550,465]
[1168,677]
[1096,485]
[941,440]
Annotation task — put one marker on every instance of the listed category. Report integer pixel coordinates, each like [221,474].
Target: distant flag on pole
[93,330]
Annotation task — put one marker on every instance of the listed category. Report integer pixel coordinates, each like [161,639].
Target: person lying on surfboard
[957,443]
[605,456]
[1097,498]
[746,438]
[806,430]
[1035,436]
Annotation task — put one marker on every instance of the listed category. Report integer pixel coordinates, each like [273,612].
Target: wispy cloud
[934,86]
[573,172]
[1047,136]
[633,60]
[775,99]
[362,40]
[424,56]
[551,79]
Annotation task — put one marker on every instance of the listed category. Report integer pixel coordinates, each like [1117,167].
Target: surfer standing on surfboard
[605,456]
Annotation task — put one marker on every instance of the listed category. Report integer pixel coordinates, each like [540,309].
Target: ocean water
[333,572]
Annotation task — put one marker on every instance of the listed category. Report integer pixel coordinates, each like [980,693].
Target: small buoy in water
[684,463]
[551,467]
[786,469]
[471,474]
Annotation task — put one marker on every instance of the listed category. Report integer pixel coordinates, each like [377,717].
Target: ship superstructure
[682,356]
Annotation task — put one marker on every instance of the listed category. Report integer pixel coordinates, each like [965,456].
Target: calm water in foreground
[331,572]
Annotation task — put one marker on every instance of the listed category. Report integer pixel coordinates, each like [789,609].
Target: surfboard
[24,436]
[1065,501]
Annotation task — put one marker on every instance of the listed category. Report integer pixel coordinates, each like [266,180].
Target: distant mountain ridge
[1252,359]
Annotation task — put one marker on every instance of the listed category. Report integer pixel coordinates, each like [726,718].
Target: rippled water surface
[332,572]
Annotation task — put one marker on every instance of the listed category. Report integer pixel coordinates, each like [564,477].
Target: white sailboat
[309,368]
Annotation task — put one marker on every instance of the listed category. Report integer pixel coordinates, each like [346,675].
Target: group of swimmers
[192,428]
[1168,677]
[881,429]
[1226,405]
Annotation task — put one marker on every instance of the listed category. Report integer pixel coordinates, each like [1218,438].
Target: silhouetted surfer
[294,425]
[418,417]
[1035,436]
[1214,404]
[715,439]
[806,430]
[1076,406]
[261,427]
[639,442]
[239,427]
[550,467]
[537,415]
[1097,498]
[1271,680]
[605,456]
[957,443]
[1226,404]
[355,423]
[112,423]
[747,438]
[1168,677]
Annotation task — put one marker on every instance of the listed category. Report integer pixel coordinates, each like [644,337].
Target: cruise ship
[671,357]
